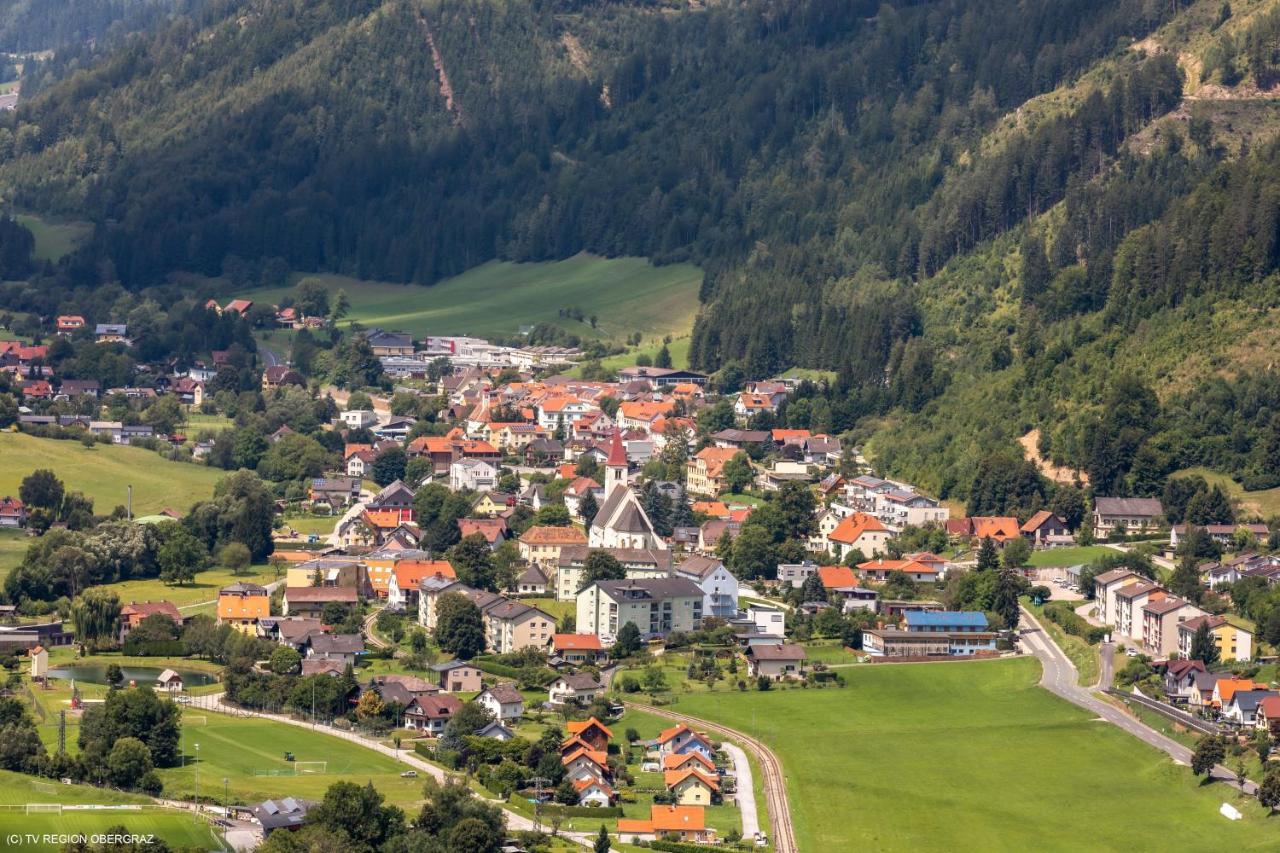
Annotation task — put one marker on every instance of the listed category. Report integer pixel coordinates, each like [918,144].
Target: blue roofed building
[946,621]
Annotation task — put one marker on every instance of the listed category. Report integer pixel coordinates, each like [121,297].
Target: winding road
[1059,677]
[775,789]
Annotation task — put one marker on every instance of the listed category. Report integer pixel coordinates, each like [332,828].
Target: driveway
[1059,678]
[745,793]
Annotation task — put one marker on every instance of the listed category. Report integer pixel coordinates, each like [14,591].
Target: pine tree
[1005,598]
[988,558]
[602,841]
[587,508]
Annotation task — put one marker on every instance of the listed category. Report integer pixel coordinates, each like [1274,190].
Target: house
[407,578]
[241,605]
[680,740]
[719,585]
[749,405]
[576,649]
[769,621]
[899,508]
[493,504]
[494,530]
[340,648]
[69,323]
[1160,618]
[691,786]
[532,581]
[577,491]
[111,333]
[776,661]
[541,544]
[311,600]
[859,532]
[704,471]
[1125,515]
[91,387]
[1233,642]
[474,475]
[580,689]
[932,633]
[497,731]
[1223,534]
[359,418]
[594,792]
[458,676]
[1225,688]
[585,765]
[169,682]
[1045,528]
[592,732]
[336,492]
[688,823]
[1180,678]
[657,606]
[430,713]
[389,343]
[326,571]
[238,306]
[795,574]
[504,702]
[1267,717]
[13,513]
[741,439]
[39,663]
[132,614]
[880,570]
[513,625]
[396,428]
[287,814]
[1243,707]
[280,375]
[395,498]
[1200,695]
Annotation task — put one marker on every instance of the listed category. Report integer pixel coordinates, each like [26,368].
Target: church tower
[615,467]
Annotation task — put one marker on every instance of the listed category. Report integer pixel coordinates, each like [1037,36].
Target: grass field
[1055,557]
[13,546]
[197,422]
[1265,503]
[204,588]
[558,609]
[103,471]
[16,789]
[627,295]
[54,239]
[973,756]
[239,749]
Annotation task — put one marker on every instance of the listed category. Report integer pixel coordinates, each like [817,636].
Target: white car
[1133,653]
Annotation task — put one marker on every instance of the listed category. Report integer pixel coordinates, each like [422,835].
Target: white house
[769,621]
[503,701]
[475,475]
[581,689]
[359,419]
[719,586]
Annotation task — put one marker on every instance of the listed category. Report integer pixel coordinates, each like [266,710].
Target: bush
[1073,623]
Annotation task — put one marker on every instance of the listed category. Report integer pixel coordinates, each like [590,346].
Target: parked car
[409,774]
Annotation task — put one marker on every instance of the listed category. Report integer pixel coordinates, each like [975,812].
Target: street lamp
[226,795]
[197,778]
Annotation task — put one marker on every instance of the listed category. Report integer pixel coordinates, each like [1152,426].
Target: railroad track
[775,790]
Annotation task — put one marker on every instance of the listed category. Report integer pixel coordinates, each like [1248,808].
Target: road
[1059,678]
[775,786]
[215,702]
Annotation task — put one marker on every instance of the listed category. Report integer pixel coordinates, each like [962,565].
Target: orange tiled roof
[715,509]
[851,528]
[409,573]
[576,728]
[544,535]
[837,577]
[671,778]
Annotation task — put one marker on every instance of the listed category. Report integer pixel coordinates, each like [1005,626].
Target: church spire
[615,467]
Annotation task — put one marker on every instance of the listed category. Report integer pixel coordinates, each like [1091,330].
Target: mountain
[984,218]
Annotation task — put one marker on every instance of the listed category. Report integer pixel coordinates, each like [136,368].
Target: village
[496,555]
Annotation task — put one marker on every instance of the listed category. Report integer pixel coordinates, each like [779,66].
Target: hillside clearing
[103,472]
[54,239]
[627,295]
[1264,503]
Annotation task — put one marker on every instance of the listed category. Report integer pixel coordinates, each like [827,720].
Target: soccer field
[248,753]
[178,830]
[974,757]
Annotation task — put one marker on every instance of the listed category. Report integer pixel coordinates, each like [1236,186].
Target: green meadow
[627,295]
[974,757]
[103,471]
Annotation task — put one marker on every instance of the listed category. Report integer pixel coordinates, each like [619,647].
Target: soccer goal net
[44,808]
[300,767]
[194,719]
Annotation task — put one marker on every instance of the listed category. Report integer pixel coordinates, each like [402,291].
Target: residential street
[1059,677]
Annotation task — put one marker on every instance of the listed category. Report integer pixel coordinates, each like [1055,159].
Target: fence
[1170,713]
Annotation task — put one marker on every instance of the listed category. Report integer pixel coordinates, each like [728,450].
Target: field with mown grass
[103,471]
[1265,503]
[627,295]
[204,588]
[1062,557]
[249,754]
[13,547]
[54,239]
[973,756]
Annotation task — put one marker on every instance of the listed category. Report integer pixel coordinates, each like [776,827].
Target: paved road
[214,702]
[775,785]
[745,793]
[1059,677]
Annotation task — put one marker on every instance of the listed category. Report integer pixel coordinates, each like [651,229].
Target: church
[621,521]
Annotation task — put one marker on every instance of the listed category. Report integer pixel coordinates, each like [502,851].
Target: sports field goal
[194,719]
[44,808]
[301,767]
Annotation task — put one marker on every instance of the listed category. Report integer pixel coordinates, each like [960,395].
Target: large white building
[719,586]
[657,606]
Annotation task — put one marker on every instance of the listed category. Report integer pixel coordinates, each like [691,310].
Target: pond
[96,673]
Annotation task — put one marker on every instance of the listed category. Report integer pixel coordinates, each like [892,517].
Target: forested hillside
[984,217]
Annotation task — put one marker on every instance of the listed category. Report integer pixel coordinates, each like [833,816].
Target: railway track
[775,790]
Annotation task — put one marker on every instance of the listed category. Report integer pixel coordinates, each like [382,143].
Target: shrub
[1073,623]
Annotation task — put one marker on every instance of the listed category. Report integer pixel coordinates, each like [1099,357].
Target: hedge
[1074,623]
[681,847]
[494,668]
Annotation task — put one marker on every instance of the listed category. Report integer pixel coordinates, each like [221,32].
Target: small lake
[142,675]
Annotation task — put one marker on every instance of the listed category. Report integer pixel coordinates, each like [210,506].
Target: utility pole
[130,503]
[538,782]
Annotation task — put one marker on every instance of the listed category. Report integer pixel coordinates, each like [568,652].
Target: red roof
[576,642]
[851,528]
[617,456]
[837,577]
